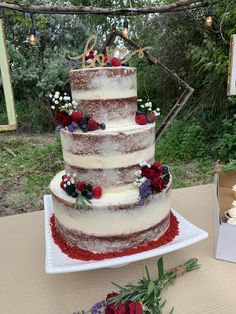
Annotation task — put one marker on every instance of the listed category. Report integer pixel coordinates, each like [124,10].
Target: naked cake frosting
[112,195]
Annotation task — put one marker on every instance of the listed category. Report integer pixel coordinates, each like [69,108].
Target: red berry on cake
[115,62]
[76,116]
[141,119]
[97,192]
[157,184]
[148,172]
[80,186]
[151,118]
[93,125]
[157,167]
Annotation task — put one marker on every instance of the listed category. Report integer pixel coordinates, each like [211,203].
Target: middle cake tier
[108,157]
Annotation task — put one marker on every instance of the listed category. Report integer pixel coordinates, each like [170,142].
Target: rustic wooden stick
[188,90]
[73,9]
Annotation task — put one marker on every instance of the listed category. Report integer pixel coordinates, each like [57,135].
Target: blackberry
[109,64]
[165,170]
[89,195]
[85,128]
[166,179]
[83,122]
[74,194]
[138,112]
[70,189]
[89,187]
[87,117]
[84,192]
[126,64]
[102,126]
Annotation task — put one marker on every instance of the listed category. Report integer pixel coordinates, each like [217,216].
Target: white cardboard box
[225,233]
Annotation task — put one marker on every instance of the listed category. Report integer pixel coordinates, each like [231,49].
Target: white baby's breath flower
[142,106]
[148,165]
[56,102]
[68,183]
[150,109]
[135,183]
[74,103]
[74,175]
[95,52]
[65,94]
[136,173]
[72,181]
[53,99]
[64,185]
[60,97]
[56,96]
[146,104]
[139,100]
[50,96]
[53,107]
[158,109]
[89,61]
[140,172]
[68,174]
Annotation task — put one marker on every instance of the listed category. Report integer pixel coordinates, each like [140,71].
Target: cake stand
[57,262]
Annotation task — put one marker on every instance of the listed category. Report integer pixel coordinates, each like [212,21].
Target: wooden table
[25,288]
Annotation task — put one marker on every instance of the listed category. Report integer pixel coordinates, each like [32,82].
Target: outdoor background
[204,131]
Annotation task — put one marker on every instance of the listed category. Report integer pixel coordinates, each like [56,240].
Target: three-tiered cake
[109,158]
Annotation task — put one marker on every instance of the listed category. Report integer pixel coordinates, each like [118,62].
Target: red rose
[90,55]
[62,118]
[135,308]
[76,116]
[112,309]
[157,167]
[157,184]
[148,172]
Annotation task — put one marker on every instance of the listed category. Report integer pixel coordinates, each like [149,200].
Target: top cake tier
[109,94]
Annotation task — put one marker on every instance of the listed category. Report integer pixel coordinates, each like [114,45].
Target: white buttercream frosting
[102,221]
[110,161]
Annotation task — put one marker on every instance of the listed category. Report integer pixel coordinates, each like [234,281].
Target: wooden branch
[188,90]
[72,9]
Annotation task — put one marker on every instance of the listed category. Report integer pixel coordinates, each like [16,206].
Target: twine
[180,270]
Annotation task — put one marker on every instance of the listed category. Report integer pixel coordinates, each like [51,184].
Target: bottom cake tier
[113,223]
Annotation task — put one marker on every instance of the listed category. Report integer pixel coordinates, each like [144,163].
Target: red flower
[80,186]
[141,119]
[135,308]
[62,118]
[112,309]
[148,172]
[157,167]
[115,62]
[157,184]
[76,116]
[97,192]
[93,125]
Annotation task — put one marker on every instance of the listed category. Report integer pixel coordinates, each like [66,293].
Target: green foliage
[226,145]
[182,141]
[230,166]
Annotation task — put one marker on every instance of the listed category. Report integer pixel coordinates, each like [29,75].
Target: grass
[27,165]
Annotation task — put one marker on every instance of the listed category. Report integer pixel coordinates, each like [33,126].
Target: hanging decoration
[126,28]
[209,18]
[32,39]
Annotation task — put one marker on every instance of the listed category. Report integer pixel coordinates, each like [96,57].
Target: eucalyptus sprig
[82,202]
[148,291]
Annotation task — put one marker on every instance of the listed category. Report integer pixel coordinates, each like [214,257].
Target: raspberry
[76,116]
[80,186]
[115,62]
[141,119]
[152,118]
[93,125]
[97,192]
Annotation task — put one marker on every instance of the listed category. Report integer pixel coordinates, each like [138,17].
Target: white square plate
[57,262]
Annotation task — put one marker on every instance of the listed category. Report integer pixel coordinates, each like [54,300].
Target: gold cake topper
[100,58]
